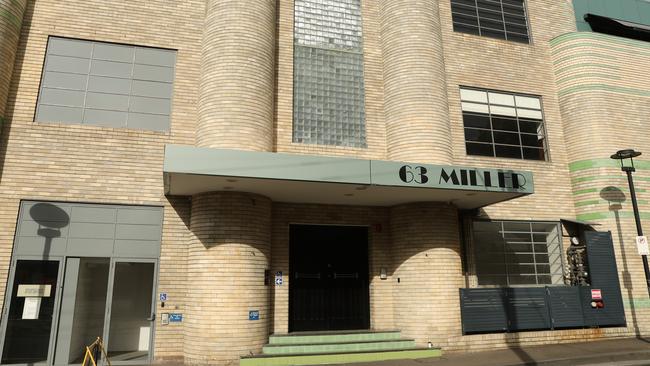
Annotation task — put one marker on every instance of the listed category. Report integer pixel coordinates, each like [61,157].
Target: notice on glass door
[32,308]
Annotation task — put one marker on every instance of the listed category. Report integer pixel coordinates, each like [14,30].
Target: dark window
[504,19]
[517,253]
[504,125]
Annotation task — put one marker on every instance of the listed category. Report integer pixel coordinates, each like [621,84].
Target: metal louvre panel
[80,229]
[604,276]
[106,84]
[483,310]
[566,307]
[527,309]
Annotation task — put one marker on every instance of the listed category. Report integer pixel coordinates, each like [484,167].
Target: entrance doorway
[47,323]
[328,266]
[81,271]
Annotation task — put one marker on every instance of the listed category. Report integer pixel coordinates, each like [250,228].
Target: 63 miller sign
[451,177]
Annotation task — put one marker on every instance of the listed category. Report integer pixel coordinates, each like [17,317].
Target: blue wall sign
[163,296]
[254,315]
[175,318]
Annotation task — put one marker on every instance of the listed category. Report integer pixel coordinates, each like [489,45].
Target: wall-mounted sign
[278,278]
[163,296]
[596,294]
[254,315]
[34,290]
[164,318]
[175,318]
[642,245]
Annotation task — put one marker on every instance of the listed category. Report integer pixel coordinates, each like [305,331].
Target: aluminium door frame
[57,304]
[109,305]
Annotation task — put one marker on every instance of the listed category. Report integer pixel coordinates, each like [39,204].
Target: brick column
[415,99]
[228,252]
[427,262]
[237,75]
[11,19]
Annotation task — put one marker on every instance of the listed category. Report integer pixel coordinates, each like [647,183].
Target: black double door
[329,278]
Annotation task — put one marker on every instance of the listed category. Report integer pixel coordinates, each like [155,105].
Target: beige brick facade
[233,89]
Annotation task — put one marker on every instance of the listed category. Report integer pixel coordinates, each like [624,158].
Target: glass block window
[504,19]
[504,125]
[509,253]
[106,84]
[328,90]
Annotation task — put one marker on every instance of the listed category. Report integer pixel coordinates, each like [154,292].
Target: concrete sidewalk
[609,352]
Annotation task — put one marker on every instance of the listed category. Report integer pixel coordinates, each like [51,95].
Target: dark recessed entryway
[329,278]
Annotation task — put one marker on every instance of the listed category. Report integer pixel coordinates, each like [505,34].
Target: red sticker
[596,295]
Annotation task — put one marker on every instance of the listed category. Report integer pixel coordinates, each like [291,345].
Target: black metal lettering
[463,177]
[446,177]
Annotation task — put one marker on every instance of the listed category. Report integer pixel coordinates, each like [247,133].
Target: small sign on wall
[254,315]
[642,245]
[278,278]
[596,294]
[34,290]
[175,318]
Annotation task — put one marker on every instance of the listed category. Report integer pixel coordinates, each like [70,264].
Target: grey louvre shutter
[566,307]
[527,309]
[483,310]
[604,276]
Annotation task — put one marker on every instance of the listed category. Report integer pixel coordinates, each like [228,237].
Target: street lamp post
[621,156]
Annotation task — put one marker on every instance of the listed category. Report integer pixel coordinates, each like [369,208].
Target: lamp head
[625,154]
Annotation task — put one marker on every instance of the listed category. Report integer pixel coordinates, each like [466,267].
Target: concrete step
[341,347]
[338,358]
[333,337]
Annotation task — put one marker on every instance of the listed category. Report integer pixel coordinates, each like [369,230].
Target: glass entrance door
[131,311]
[108,299]
[29,319]
[83,307]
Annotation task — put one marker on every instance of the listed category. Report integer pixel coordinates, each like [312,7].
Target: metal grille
[504,19]
[504,125]
[517,253]
[329,100]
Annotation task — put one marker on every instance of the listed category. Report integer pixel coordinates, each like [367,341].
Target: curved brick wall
[415,104]
[237,71]
[605,102]
[11,18]
[229,250]
[426,254]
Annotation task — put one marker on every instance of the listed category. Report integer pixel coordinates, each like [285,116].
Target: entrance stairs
[317,348]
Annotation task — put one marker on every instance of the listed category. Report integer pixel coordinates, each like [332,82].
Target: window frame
[503,14]
[472,244]
[492,130]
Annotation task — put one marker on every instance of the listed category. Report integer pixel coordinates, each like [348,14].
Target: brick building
[193,180]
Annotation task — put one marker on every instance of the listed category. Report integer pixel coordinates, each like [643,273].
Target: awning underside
[618,27]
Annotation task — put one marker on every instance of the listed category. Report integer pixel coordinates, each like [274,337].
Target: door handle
[152,317]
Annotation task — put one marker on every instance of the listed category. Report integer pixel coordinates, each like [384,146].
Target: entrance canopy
[189,170]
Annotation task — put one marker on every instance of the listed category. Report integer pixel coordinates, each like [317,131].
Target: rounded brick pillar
[427,262]
[237,75]
[415,93]
[10,24]
[229,250]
